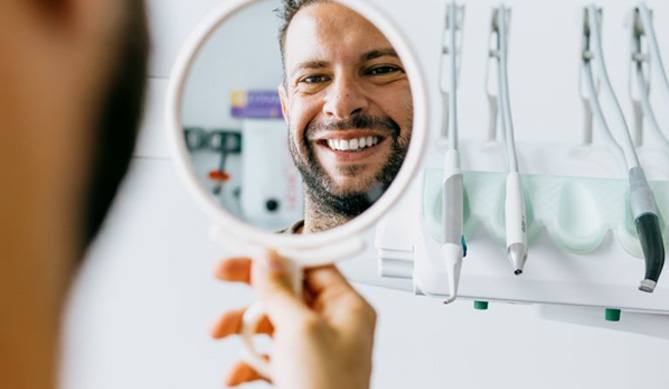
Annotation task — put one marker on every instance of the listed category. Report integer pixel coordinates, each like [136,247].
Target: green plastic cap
[480,305]
[612,314]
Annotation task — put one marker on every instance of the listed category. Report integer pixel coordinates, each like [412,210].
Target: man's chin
[347,187]
[349,204]
[369,188]
[343,194]
[343,186]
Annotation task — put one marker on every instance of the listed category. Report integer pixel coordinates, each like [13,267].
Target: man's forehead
[329,32]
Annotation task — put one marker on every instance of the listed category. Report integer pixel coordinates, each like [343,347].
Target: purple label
[256,104]
[257,113]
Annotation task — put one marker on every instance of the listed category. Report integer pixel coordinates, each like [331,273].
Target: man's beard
[321,188]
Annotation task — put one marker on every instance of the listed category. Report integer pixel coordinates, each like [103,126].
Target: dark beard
[116,129]
[319,185]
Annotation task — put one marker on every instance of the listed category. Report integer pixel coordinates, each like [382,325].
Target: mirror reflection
[297,121]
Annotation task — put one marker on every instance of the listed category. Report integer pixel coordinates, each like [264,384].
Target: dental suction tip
[449,300]
[518,272]
[647,286]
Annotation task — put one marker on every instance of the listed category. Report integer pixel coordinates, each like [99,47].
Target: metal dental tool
[642,201]
[515,216]
[453,248]
[645,64]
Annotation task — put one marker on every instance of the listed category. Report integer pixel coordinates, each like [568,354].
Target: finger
[326,278]
[272,278]
[337,301]
[236,269]
[231,323]
[242,373]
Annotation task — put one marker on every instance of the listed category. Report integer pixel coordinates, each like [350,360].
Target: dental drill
[454,247]
[514,207]
[641,199]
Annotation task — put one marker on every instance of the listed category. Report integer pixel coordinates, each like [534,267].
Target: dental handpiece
[514,207]
[647,223]
[452,186]
[641,199]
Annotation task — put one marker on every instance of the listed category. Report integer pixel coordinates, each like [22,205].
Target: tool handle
[650,236]
[514,209]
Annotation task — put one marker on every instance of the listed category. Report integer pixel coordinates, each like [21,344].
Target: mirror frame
[255,235]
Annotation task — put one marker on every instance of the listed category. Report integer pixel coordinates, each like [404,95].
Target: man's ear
[283,96]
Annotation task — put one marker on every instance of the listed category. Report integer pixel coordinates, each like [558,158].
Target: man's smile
[350,145]
[354,144]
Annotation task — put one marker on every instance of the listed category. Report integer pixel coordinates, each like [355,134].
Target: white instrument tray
[583,247]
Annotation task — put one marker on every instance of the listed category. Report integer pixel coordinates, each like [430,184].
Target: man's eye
[314,79]
[381,70]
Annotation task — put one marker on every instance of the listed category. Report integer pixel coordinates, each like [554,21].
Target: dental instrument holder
[575,212]
[578,226]
[645,61]
[642,201]
[453,248]
[492,79]
[638,76]
[492,84]
[451,46]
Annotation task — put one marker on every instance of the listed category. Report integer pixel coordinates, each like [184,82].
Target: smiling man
[347,102]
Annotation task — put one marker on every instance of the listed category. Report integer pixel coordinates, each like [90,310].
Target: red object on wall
[219,175]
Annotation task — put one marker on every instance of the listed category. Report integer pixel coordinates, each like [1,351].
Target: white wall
[242,55]
[145,300]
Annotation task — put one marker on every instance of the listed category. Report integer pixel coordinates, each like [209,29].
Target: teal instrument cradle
[575,212]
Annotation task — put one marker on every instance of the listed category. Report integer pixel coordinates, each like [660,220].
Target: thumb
[274,280]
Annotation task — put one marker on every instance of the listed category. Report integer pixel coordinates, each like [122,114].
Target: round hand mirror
[296,124]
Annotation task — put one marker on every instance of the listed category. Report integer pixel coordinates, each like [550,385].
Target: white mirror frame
[253,235]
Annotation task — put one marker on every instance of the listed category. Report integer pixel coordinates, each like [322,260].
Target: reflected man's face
[347,101]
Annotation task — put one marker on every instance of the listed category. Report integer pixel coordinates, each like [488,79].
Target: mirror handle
[250,355]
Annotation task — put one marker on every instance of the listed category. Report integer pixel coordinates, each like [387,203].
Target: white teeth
[353,144]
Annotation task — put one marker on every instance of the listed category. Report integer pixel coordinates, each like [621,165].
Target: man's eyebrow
[310,65]
[373,54]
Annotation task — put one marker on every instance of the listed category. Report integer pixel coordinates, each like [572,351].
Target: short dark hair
[287,11]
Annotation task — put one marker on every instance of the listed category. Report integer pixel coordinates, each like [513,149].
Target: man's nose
[345,99]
